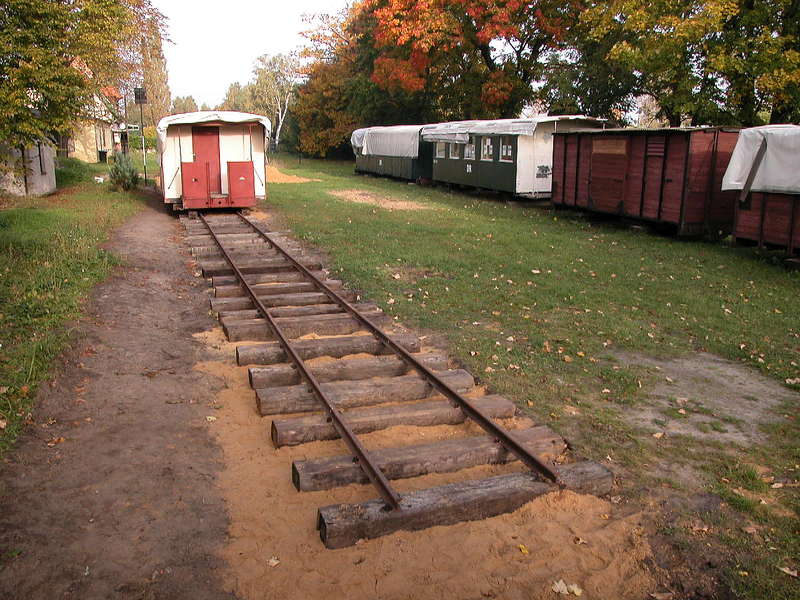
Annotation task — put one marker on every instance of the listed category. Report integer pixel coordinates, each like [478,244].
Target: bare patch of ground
[276,176]
[111,492]
[412,274]
[362,197]
[708,398]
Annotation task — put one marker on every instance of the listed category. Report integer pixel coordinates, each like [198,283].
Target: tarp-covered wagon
[765,171]
[394,151]
[213,159]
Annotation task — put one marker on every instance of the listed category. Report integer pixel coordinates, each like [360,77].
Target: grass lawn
[50,258]
[544,305]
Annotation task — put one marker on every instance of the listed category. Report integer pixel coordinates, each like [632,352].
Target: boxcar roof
[777,172]
[636,130]
[211,116]
[459,131]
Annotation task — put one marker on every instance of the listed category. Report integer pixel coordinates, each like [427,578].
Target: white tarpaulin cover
[779,171]
[396,140]
[357,137]
[459,131]
[211,116]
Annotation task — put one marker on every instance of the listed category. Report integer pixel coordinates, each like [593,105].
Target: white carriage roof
[394,140]
[459,131]
[778,171]
[211,116]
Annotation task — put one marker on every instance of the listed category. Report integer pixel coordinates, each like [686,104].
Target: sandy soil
[276,176]
[362,197]
[275,551]
[126,506]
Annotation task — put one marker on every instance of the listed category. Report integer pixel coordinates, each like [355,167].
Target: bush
[71,171]
[123,174]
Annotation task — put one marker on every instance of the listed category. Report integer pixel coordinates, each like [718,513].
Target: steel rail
[501,435]
[360,453]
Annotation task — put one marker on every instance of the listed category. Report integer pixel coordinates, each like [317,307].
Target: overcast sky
[215,44]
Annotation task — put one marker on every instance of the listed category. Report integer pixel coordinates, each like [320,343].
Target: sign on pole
[140,98]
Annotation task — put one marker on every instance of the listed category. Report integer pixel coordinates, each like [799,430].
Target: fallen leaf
[662,595]
[274,561]
[575,589]
[396,276]
[752,529]
[559,587]
[3,389]
[54,441]
[777,485]
[788,571]
[3,423]
[523,548]
[658,435]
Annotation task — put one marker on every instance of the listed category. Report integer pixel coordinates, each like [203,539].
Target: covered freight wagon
[212,159]
[668,176]
[393,151]
[506,155]
[764,173]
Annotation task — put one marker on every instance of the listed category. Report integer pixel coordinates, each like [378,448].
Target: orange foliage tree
[484,54]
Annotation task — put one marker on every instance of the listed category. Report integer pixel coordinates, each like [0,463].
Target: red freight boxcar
[765,173]
[669,176]
[213,159]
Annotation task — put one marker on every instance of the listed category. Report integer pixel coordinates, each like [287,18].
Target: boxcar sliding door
[609,164]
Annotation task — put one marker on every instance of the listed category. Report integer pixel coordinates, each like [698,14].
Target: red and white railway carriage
[213,159]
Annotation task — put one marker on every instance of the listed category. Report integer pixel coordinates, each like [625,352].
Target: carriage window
[440,149]
[486,149]
[506,149]
[454,153]
[469,149]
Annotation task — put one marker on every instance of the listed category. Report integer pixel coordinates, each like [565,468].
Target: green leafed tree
[237,97]
[183,104]
[273,88]
[55,56]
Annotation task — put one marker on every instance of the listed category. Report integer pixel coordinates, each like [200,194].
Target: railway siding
[338,369]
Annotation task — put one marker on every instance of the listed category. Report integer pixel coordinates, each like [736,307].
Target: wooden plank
[208,251]
[337,347]
[295,327]
[413,461]
[345,369]
[273,289]
[300,430]
[342,525]
[212,268]
[294,311]
[244,302]
[280,277]
[350,394]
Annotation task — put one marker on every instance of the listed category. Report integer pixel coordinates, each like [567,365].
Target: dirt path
[126,506]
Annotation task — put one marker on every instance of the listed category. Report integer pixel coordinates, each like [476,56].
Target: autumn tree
[494,49]
[154,76]
[183,104]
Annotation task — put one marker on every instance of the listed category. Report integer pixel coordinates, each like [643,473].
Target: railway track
[330,366]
